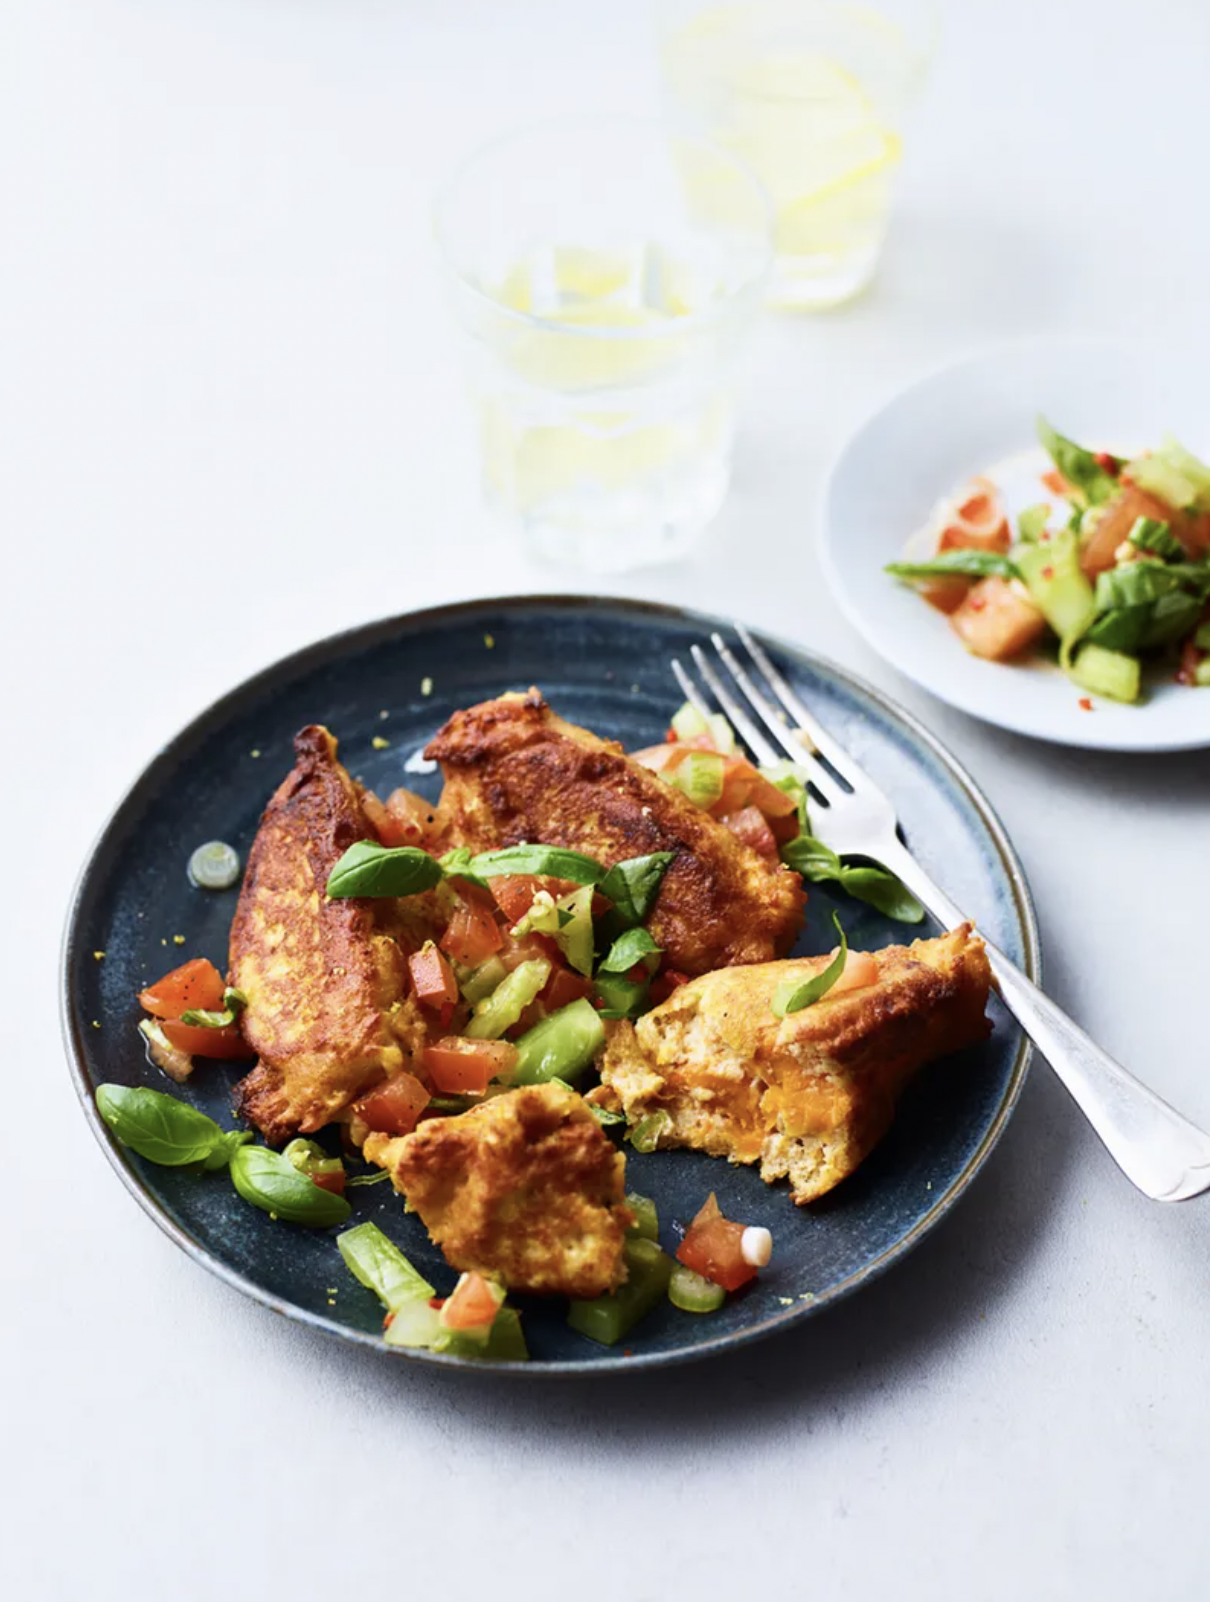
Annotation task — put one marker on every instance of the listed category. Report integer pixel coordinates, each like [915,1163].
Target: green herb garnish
[792,995]
[370,869]
[627,950]
[270,1181]
[165,1130]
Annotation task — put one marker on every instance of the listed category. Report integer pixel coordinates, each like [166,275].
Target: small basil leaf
[884,891]
[159,1127]
[221,1156]
[370,869]
[1149,534]
[552,862]
[633,885]
[271,1182]
[950,564]
[1078,466]
[647,1133]
[793,995]
[628,949]
[811,858]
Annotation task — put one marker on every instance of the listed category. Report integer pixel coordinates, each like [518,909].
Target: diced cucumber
[1150,534]
[501,1010]
[481,981]
[1201,673]
[1051,572]
[621,997]
[699,776]
[607,1318]
[1031,523]
[1202,638]
[689,724]
[646,1224]
[1161,477]
[694,1293]
[575,935]
[375,1260]
[1109,673]
[561,1046]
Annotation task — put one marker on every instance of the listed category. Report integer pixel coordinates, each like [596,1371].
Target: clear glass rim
[755,284]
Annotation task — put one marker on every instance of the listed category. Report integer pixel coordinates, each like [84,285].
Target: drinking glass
[813,95]
[605,274]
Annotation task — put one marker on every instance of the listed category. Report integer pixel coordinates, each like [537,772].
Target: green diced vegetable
[633,885]
[380,1266]
[694,1293]
[1202,638]
[506,1343]
[561,1046]
[956,564]
[481,981]
[1201,674]
[1174,475]
[546,862]
[649,1131]
[309,1157]
[234,1002]
[370,869]
[699,776]
[1135,584]
[1191,468]
[792,995]
[620,997]
[502,1009]
[607,1319]
[689,724]
[1052,574]
[214,866]
[1031,524]
[1148,534]
[791,780]
[574,935]
[627,950]
[418,1327]
[165,1130]
[646,1224]
[542,917]
[1092,483]
[1108,673]
[271,1182]
[605,1116]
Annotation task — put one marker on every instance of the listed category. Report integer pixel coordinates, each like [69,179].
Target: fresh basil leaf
[811,858]
[553,862]
[1078,466]
[1149,534]
[793,995]
[380,1266]
[882,890]
[456,864]
[1135,584]
[1031,524]
[633,885]
[1172,617]
[165,1130]
[628,949]
[370,869]
[950,564]
[271,1182]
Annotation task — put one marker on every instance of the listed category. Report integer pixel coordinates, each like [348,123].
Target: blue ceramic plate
[603,664]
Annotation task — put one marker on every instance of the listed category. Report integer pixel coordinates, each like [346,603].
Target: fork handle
[1165,1155]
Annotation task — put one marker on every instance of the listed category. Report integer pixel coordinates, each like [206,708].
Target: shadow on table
[897,1329]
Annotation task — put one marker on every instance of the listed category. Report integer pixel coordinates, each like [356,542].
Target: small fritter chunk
[324,979]
[515,772]
[524,1189]
[807,1096]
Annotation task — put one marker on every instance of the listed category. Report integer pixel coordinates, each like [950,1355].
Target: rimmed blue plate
[604,664]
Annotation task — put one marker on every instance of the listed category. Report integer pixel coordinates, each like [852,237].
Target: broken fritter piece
[524,1189]
[326,1013]
[806,1096]
[514,772]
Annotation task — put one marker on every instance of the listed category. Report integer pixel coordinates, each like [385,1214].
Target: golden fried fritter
[525,1189]
[807,1096]
[515,772]
[324,979]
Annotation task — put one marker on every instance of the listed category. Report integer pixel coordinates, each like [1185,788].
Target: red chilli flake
[1085,704]
[1048,572]
[977,603]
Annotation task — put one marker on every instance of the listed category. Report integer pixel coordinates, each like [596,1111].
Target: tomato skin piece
[199,1041]
[712,1248]
[432,978]
[472,1303]
[458,1066]
[998,620]
[514,893]
[196,984]
[472,934]
[860,970]
[749,825]
[562,988]
[393,1107]
[388,829]
[335,1181]
[944,594]
[978,522]
[411,815]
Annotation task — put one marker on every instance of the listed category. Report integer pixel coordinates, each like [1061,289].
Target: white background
[230,422]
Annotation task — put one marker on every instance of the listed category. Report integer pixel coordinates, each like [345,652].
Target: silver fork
[1166,1156]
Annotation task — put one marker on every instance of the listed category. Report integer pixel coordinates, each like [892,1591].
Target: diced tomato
[514,952]
[393,1107]
[1056,483]
[1109,462]
[199,1041]
[563,987]
[712,1247]
[388,830]
[657,757]
[473,1303]
[784,829]
[749,825]
[196,984]
[860,969]
[978,522]
[458,1066]
[472,933]
[664,985]
[738,775]
[433,979]
[945,594]
[771,801]
[998,619]
[411,815]
[335,1181]
[514,893]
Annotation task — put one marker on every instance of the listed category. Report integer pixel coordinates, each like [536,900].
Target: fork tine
[747,730]
[824,743]
[796,749]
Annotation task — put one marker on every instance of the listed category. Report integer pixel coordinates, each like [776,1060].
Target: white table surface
[230,422]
